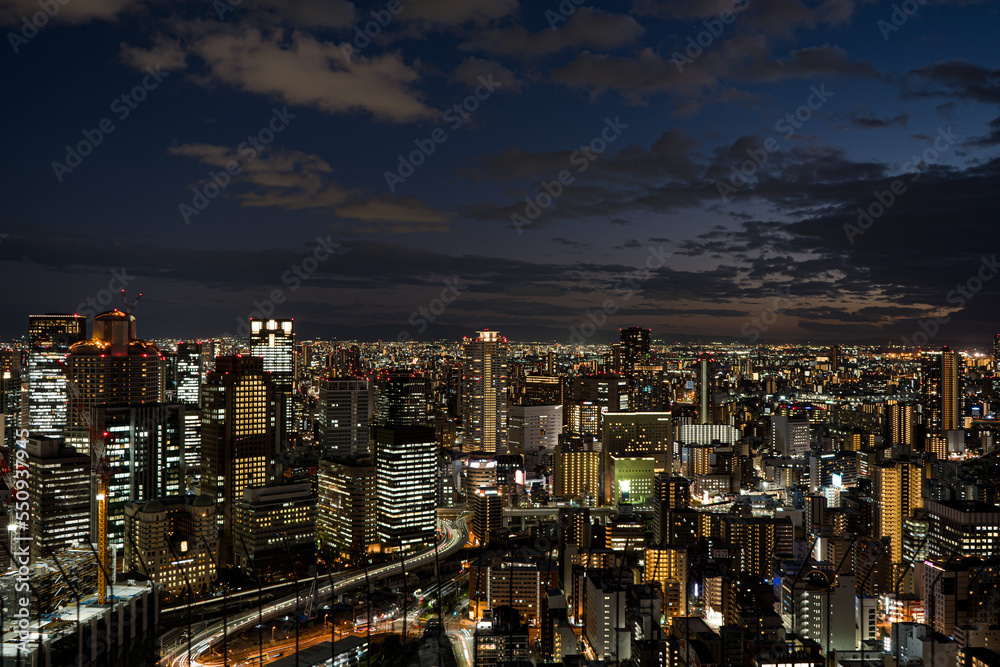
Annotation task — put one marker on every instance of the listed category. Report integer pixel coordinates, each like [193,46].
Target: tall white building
[533,429]
[484,403]
[345,411]
[789,437]
[274,341]
[50,337]
[405,468]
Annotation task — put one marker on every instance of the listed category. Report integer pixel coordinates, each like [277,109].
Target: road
[456,536]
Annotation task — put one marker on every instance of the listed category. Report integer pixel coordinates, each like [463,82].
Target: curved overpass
[456,537]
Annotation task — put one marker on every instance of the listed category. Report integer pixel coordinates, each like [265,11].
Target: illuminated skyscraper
[635,351]
[405,465]
[902,420]
[896,489]
[50,337]
[145,448]
[484,406]
[239,433]
[189,378]
[939,391]
[59,495]
[401,398]
[112,367]
[705,388]
[347,520]
[10,396]
[274,341]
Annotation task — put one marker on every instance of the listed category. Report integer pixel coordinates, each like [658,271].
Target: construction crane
[102,473]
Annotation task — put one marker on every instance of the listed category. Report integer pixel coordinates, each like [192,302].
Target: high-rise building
[939,391]
[347,521]
[405,464]
[58,495]
[174,541]
[484,404]
[50,337]
[668,565]
[502,639]
[576,469]
[486,505]
[240,423]
[189,377]
[635,351]
[821,609]
[274,341]
[401,398]
[636,434]
[790,435]
[145,448]
[534,429]
[606,390]
[705,388]
[902,421]
[10,396]
[345,410]
[896,489]
[996,350]
[112,367]
[960,528]
[274,530]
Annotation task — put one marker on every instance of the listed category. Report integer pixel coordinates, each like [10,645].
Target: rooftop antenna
[129,307]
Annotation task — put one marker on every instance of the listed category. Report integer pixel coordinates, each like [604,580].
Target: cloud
[392,209]
[871,122]
[586,27]
[471,69]
[453,13]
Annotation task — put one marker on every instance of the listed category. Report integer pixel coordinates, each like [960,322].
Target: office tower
[486,505]
[758,540]
[629,479]
[345,410]
[584,417]
[174,541]
[401,398]
[534,429]
[673,491]
[189,378]
[274,341]
[347,521]
[790,436]
[668,565]
[145,449]
[634,351]
[10,396]
[576,469]
[959,592]
[478,470]
[939,391]
[112,367]
[50,337]
[405,463]
[835,358]
[240,422]
[650,391]
[902,420]
[58,495]
[484,404]
[705,388]
[896,489]
[959,528]
[274,530]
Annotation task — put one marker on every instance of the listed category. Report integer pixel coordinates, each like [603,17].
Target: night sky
[646,110]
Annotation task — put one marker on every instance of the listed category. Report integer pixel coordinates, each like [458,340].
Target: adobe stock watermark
[885,199]
[21,551]
[96,304]
[624,288]
[422,317]
[786,126]
[122,106]
[901,14]
[455,116]
[219,181]
[372,29]
[714,27]
[30,27]
[755,326]
[293,278]
[581,159]
[958,298]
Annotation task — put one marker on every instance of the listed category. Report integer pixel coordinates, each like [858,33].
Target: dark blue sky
[653,193]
